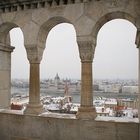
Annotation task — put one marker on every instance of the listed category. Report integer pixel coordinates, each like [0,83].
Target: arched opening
[5,64]
[110,16]
[60,67]
[17,40]
[19,69]
[116,45]
[116,64]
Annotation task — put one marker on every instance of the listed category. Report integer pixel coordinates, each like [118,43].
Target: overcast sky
[116,56]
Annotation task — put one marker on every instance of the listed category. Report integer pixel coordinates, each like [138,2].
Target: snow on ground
[58,115]
[11,111]
[117,119]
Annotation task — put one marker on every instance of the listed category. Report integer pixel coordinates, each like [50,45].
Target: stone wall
[5,76]
[36,18]
[26,127]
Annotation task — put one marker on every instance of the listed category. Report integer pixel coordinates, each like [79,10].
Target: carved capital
[34,53]
[138,39]
[86,50]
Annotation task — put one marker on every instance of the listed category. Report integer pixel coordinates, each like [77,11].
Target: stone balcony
[49,126]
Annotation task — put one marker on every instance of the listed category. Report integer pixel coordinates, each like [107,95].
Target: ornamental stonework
[34,54]
[86,50]
[16,5]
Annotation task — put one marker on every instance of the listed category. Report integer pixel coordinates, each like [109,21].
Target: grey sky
[116,55]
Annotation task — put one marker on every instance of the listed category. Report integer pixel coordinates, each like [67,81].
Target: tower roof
[57,77]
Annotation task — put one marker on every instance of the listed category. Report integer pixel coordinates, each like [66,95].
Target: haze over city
[116,56]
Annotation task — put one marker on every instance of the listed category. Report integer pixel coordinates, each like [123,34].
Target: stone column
[34,107]
[5,75]
[86,110]
[138,46]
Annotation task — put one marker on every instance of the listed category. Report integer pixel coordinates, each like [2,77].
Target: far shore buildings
[106,86]
[74,85]
[59,84]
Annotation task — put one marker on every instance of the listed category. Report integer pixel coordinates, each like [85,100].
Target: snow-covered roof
[111,101]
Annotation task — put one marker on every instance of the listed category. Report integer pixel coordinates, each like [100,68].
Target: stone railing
[27,127]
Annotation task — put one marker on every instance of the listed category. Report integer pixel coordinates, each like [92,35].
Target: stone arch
[114,38]
[46,27]
[108,17]
[61,45]
[35,52]
[4,30]
[5,63]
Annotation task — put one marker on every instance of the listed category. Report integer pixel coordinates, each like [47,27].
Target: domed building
[56,80]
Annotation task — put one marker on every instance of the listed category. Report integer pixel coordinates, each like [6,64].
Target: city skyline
[61,54]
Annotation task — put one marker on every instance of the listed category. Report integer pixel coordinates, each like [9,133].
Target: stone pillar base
[86,113]
[34,109]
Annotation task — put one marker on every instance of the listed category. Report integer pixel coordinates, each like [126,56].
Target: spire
[57,77]
[66,89]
